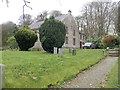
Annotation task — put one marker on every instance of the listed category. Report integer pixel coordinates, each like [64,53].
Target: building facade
[72,39]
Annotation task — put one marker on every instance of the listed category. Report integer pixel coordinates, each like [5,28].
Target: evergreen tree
[52,34]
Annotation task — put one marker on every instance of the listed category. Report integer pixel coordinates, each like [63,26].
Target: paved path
[94,77]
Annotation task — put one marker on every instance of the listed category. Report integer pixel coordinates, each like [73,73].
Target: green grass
[36,69]
[112,78]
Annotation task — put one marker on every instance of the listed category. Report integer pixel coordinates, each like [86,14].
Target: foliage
[96,41]
[117,41]
[109,41]
[11,42]
[52,34]
[25,38]
[35,69]
[8,30]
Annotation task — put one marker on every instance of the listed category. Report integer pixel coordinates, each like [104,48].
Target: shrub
[25,38]
[52,34]
[11,43]
[117,41]
[109,41]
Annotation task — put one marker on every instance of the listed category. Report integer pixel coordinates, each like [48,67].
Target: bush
[25,38]
[117,42]
[11,43]
[109,41]
[52,34]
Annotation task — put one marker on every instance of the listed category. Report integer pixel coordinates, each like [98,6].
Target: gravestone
[70,50]
[73,52]
[1,76]
[55,50]
[61,52]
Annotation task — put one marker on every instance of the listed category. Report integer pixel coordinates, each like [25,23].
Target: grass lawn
[112,81]
[35,69]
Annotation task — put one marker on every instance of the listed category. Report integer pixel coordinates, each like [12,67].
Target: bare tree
[6,2]
[8,30]
[25,4]
[96,19]
[118,30]
[55,13]
[26,21]
[42,16]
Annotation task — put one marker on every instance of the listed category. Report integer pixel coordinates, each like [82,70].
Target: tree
[52,34]
[55,13]
[8,30]
[7,1]
[96,19]
[25,38]
[42,16]
[26,21]
[114,18]
[11,43]
[109,41]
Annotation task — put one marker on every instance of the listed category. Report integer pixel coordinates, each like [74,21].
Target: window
[66,40]
[74,33]
[73,41]
[81,37]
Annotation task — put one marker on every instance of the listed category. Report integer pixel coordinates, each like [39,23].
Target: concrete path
[95,77]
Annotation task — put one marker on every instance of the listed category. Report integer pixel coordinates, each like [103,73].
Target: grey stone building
[72,39]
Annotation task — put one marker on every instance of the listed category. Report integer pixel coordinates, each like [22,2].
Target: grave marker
[1,76]
[55,50]
[70,50]
[73,52]
[61,52]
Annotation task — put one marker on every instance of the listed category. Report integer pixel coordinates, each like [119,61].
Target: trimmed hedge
[25,38]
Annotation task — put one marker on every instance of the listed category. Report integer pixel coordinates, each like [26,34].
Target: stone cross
[61,51]
[73,52]
[55,50]
[2,77]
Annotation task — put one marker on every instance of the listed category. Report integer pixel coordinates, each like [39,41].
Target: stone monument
[2,77]
[55,50]
[73,52]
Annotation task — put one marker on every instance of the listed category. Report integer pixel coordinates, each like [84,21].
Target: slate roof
[37,24]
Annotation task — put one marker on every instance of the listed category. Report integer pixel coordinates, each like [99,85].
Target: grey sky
[14,10]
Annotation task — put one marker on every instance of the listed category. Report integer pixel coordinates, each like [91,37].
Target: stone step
[113,52]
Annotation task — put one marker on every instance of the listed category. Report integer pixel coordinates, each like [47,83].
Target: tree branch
[25,4]
[6,2]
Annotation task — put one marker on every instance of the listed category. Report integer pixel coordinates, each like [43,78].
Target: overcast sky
[14,10]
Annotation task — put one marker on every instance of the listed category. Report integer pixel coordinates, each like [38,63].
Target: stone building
[72,39]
